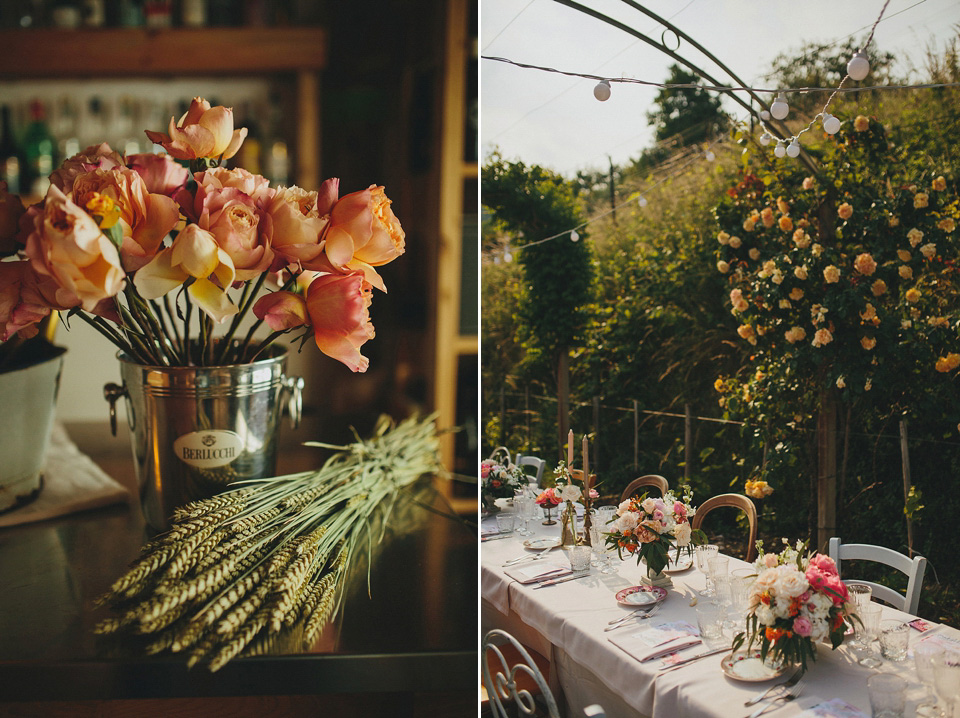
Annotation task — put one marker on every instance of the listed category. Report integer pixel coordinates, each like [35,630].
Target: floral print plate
[640,595]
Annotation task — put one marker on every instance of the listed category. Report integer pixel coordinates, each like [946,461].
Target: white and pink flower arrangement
[498,480]
[796,601]
[650,527]
[135,246]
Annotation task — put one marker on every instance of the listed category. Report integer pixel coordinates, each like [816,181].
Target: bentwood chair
[534,461]
[516,676]
[577,475]
[738,501]
[633,488]
[913,568]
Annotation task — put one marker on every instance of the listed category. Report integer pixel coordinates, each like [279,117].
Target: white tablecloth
[565,622]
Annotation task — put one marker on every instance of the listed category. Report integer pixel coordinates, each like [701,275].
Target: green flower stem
[245,344]
[133,311]
[111,334]
[201,359]
[134,334]
[178,340]
[235,323]
[246,301]
[153,317]
[266,343]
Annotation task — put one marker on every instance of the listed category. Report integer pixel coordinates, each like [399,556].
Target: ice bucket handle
[113,392]
[293,392]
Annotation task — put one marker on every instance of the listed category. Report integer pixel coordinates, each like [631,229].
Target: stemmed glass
[520,502]
[926,654]
[946,680]
[870,616]
[704,554]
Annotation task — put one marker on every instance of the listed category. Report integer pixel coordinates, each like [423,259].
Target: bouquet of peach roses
[135,245]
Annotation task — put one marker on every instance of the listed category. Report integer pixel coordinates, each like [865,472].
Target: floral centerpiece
[498,480]
[649,528]
[796,601]
[133,244]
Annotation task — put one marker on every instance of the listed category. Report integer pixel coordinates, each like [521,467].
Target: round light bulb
[496,260]
[602,90]
[766,138]
[574,237]
[507,257]
[779,109]
[780,150]
[642,201]
[764,115]
[831,124]
[858,67]
[793,149]
[710,156]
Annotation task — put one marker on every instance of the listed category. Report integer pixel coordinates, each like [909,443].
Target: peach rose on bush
[786,224]
[203,131]
[940,183]
[66,245]
[861,124]
[831,274]
[723,266]
[723,237]
[735,242]
[796,294]
[795,334]
[929,250]
[807,183]
[948,363]
[947,224]
[338,306]
[845,211]
[865,264]
[739,303]
[920,200]
[914,236]
[766,216]
[878,287]
[905,272]
[868,343]
[822,337]
[754,253]
[746,332]
[913,295]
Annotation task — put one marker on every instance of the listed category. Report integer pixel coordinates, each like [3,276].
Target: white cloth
[71,482]
[590,669]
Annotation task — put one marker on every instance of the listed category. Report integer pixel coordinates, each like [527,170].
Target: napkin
[836,708]
[71,482]
[657,641]
[526,573]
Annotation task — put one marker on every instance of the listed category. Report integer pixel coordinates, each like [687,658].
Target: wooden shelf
[471,170]
[466,345]
[124,52]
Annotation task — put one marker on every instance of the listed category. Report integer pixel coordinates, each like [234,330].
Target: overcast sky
[553,120]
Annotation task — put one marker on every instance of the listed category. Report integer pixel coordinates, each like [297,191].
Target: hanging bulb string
[719,88]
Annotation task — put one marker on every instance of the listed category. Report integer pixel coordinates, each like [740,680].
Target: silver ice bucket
[195,430]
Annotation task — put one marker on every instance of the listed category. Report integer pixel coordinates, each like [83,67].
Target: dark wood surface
[414,637]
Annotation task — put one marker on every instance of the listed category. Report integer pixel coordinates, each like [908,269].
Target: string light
[793,149]
[574,236]
[507,256]
[766,138]
[831,124]
[602,90]
[780,109]
[858,67]
[709,156]
[780,150]
[764,115]
[642,201]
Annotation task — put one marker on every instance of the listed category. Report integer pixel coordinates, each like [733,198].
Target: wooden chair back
[913,568]
[578,475]
[633,488]
[738,501]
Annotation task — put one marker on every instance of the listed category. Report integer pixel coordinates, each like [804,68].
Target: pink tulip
[338,307]
[282,310]
[204,131]
[160,173]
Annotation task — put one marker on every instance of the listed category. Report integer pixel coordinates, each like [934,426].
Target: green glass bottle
[38,149]
[11,163]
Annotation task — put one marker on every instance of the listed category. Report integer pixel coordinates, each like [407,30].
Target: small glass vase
[548,511]
[568,530]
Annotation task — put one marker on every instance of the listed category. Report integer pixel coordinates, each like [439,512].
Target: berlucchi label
[208,449]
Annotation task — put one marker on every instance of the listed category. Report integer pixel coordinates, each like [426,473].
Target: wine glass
[870,615]
[520,502]
[946,680]
[926,654]
[704,553]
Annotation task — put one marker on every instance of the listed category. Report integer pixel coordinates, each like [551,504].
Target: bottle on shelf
[250,154]
[93,123]
[193,13]
[158,13]
[94,13]
[275,159]
[11,160]
[129,13]
[65,127]
[38,149]
[65,14]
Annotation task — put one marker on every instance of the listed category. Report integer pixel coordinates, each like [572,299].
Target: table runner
[572,615]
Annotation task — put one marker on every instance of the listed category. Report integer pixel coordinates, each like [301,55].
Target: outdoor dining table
[565,622]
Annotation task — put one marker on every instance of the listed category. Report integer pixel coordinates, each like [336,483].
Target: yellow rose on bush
[845,211]
[807,183]
[878,287]
[723,267]
[929,250]
[723,237]
[920,200]
[754,253]
[817,250]
[719,385]
[748,224]
[861,124]
[746,332]
[914,236]
[841,382]
[822,337]
[865,264]
[947,224]
[893,221]
[948,363]
[766,216]
[940,183]
[903,255]
[868,343]
[800,272]
[735,242]
[757,489]
[905,272]
[786,224]
[796,294]
[912,295]
[831,274]
[869,313]
[795,334]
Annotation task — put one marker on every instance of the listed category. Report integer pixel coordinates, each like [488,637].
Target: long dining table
[565,622]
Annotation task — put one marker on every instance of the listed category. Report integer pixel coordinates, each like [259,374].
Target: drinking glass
[860,594]
[739,599]
[704,554]
[870,615]
[887,693]
[520,502]
[946,680]
[506,522]
[894,638]
[925,655]
[709,620]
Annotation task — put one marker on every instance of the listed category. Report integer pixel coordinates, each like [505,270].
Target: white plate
[747,666]
[538,544]
[684,563]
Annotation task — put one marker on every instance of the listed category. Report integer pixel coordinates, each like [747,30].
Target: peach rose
[831,274]
[914,236]
[723,266]
[940,183]
[903,255]
[913,295]
[868,343]
[807,183]
[338,305]
[861,124]
[145,218]
[865,264]
[947,224]
[920,200]
[786,224]
[845,211]
[929,250]
[160,173]
[363,234]
[795,334]
[746,332]
[800,272]
[796,294]
[21,305]
[739,303]
[735,242]
[66,245]
[297,227]
[948,363]
[782,206]
[878,287]
[282,310]
[869,313]
[723,237]
[203,131]
[754,253]
[905,272]
[749,223]
[94,157]
[822,337]
[766,215]
[11,210]
[893,221]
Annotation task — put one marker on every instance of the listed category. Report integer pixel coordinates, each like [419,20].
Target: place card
[657,641]
[835,708]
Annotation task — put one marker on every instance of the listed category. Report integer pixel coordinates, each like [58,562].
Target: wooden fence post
[636,435]
[826,469]
[526,412]
[503,418]
[687,441]
[595,454]
[905,469]
[563,401]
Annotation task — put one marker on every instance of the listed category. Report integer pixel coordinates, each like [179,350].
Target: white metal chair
[914,569]
[534,461]
[512,675]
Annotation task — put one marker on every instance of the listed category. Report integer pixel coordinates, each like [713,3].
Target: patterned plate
[677,565]
[640,596]
[538,544]
[747,666]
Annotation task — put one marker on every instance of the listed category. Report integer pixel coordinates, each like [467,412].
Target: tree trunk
[563,400]
[826,469]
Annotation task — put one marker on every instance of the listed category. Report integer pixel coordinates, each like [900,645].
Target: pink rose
[297,226]
[363,233]
[770,560]
[802,626]
[204,131]
[281,310]
[94,157]
[338,308]
[836,589]
[594,494]
[11,210]
[66,245]
[160,173]
[21,306]
[824,563]
[484,469]
[816,578]
[679,509]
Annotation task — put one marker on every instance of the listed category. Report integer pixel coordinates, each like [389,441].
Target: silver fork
[785,697]
[642,615]
[529,557]
[792,681]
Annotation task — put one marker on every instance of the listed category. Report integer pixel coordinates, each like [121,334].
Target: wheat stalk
[268,557]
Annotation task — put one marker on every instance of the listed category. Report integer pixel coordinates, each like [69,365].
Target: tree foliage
[688,115]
